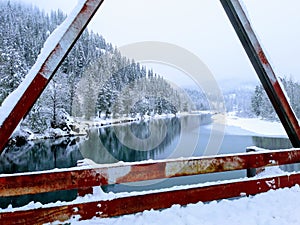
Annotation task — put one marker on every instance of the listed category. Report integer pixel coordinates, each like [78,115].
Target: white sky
[201,27]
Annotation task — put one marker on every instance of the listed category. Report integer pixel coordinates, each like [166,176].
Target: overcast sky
[201,27]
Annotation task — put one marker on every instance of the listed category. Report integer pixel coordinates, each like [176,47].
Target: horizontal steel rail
[85,177]
[139,203]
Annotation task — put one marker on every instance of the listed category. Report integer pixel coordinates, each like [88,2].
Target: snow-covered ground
[258,126]
[254,126]
[274,207]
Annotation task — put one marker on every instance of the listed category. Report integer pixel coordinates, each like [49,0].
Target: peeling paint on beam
[81,178]
[139,203]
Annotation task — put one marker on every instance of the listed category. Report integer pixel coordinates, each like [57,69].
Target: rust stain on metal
[262,57]
[33,183]
[160,200]
[85,9]
[234,164]
[144,172]
[206,165]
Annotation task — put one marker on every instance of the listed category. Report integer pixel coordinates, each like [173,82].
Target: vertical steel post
[263,68]
[75,24]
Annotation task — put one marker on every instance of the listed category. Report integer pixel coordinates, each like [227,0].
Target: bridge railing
[84,178]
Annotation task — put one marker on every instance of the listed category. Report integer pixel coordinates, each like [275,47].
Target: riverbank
[81,127]
[252,126]
[229,123]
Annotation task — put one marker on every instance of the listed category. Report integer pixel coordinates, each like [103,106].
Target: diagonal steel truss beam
[47,65]
[263,69]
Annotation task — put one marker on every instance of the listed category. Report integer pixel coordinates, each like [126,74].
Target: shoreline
[79,127]
[257,126]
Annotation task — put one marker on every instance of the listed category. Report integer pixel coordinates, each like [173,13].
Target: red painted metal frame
[263,69]
[139,203]
[239,21]
[84,178]
[47,70]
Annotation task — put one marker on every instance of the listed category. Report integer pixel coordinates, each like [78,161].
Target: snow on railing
[99,204]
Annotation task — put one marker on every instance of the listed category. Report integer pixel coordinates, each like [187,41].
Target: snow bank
[258,126]
[274,207]
[252,126]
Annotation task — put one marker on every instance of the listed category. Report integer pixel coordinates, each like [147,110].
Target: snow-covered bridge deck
[277,207]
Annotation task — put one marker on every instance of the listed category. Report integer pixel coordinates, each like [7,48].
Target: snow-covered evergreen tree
[94,78]
[262,106]
[12,71]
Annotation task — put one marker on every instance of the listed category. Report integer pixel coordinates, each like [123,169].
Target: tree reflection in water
[37,156]
[40,155]
[142,140]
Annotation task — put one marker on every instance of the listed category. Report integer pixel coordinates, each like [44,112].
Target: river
[191,135]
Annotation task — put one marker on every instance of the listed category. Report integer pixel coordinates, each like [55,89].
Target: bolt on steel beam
[71,29]
[263,69]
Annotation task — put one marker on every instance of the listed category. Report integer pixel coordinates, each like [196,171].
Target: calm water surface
[153,139]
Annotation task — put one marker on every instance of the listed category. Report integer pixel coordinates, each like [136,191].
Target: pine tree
[256,101]
[94,78]
[12,71]
[261,105]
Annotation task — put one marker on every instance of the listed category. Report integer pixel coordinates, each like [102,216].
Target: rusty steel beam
[72,31]
[83,178]
[263,69]
[139,203]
